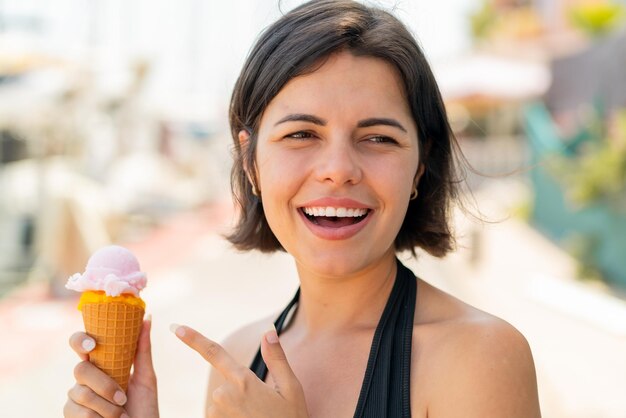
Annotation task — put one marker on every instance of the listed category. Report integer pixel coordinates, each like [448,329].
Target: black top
[385,391]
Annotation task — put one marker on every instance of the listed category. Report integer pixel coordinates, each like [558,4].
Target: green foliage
[494,21]
[483,20]
[600,176]
[597,18]
[598,171]
[582,248]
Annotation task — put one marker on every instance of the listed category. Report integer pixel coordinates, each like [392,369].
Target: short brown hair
[296,44]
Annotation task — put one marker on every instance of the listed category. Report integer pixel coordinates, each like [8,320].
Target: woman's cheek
[282,166]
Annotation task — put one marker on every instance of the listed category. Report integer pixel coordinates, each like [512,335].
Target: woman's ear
[244,144]
[418,175]
[244,139]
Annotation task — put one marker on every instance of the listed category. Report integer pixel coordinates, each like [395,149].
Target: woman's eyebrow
[302,117]
[366,123]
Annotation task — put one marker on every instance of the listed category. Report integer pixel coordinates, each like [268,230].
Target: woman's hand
[97,395]
[244,394]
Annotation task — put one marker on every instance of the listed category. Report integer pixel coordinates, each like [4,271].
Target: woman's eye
[300,135]
[382,140]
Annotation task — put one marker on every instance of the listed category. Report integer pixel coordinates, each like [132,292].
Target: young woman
[343,158]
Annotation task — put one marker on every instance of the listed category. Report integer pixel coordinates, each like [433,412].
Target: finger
[89,375]
[82,344]
[87,398]
[143,369]
[285,380]
[72,409]
[209,350]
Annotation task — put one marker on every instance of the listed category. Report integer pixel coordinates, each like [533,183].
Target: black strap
[258,366]
[385,391]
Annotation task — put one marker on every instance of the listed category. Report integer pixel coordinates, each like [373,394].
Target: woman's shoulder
[451,316]
[471,356]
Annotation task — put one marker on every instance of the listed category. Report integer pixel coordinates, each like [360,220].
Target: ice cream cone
[115,326]
[112,309]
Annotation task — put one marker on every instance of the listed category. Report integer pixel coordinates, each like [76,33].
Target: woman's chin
[344,264]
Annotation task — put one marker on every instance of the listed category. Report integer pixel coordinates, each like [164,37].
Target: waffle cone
[115,326]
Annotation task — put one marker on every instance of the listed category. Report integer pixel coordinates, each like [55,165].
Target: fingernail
[119,398]
[124,415]
[272,336]
[88,344]
[149,317]
[177,329]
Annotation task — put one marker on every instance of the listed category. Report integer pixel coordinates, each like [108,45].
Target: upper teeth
[338,212]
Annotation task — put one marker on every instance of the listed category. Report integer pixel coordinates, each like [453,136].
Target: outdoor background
[113,129]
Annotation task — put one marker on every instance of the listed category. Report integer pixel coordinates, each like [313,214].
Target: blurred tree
[597,18]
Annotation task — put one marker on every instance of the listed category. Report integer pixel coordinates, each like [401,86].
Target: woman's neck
[346,303]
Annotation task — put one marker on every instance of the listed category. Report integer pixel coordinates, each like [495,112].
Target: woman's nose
[338,163]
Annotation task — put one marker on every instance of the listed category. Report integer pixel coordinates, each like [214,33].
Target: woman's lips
[336,202]
[333,227]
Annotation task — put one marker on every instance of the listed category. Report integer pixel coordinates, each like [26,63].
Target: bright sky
[196,47]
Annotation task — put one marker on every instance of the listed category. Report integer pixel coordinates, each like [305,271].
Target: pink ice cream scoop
[113,269]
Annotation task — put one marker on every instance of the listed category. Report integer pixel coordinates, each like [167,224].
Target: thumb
[143,369]
[285,381]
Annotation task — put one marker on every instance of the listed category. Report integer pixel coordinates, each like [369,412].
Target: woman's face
[337,158]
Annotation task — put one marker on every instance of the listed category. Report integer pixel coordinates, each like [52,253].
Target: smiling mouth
[335,217]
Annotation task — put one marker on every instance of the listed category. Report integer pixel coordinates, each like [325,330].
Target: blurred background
[113,129]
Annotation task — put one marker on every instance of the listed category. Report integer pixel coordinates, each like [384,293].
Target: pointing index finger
[209,350]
